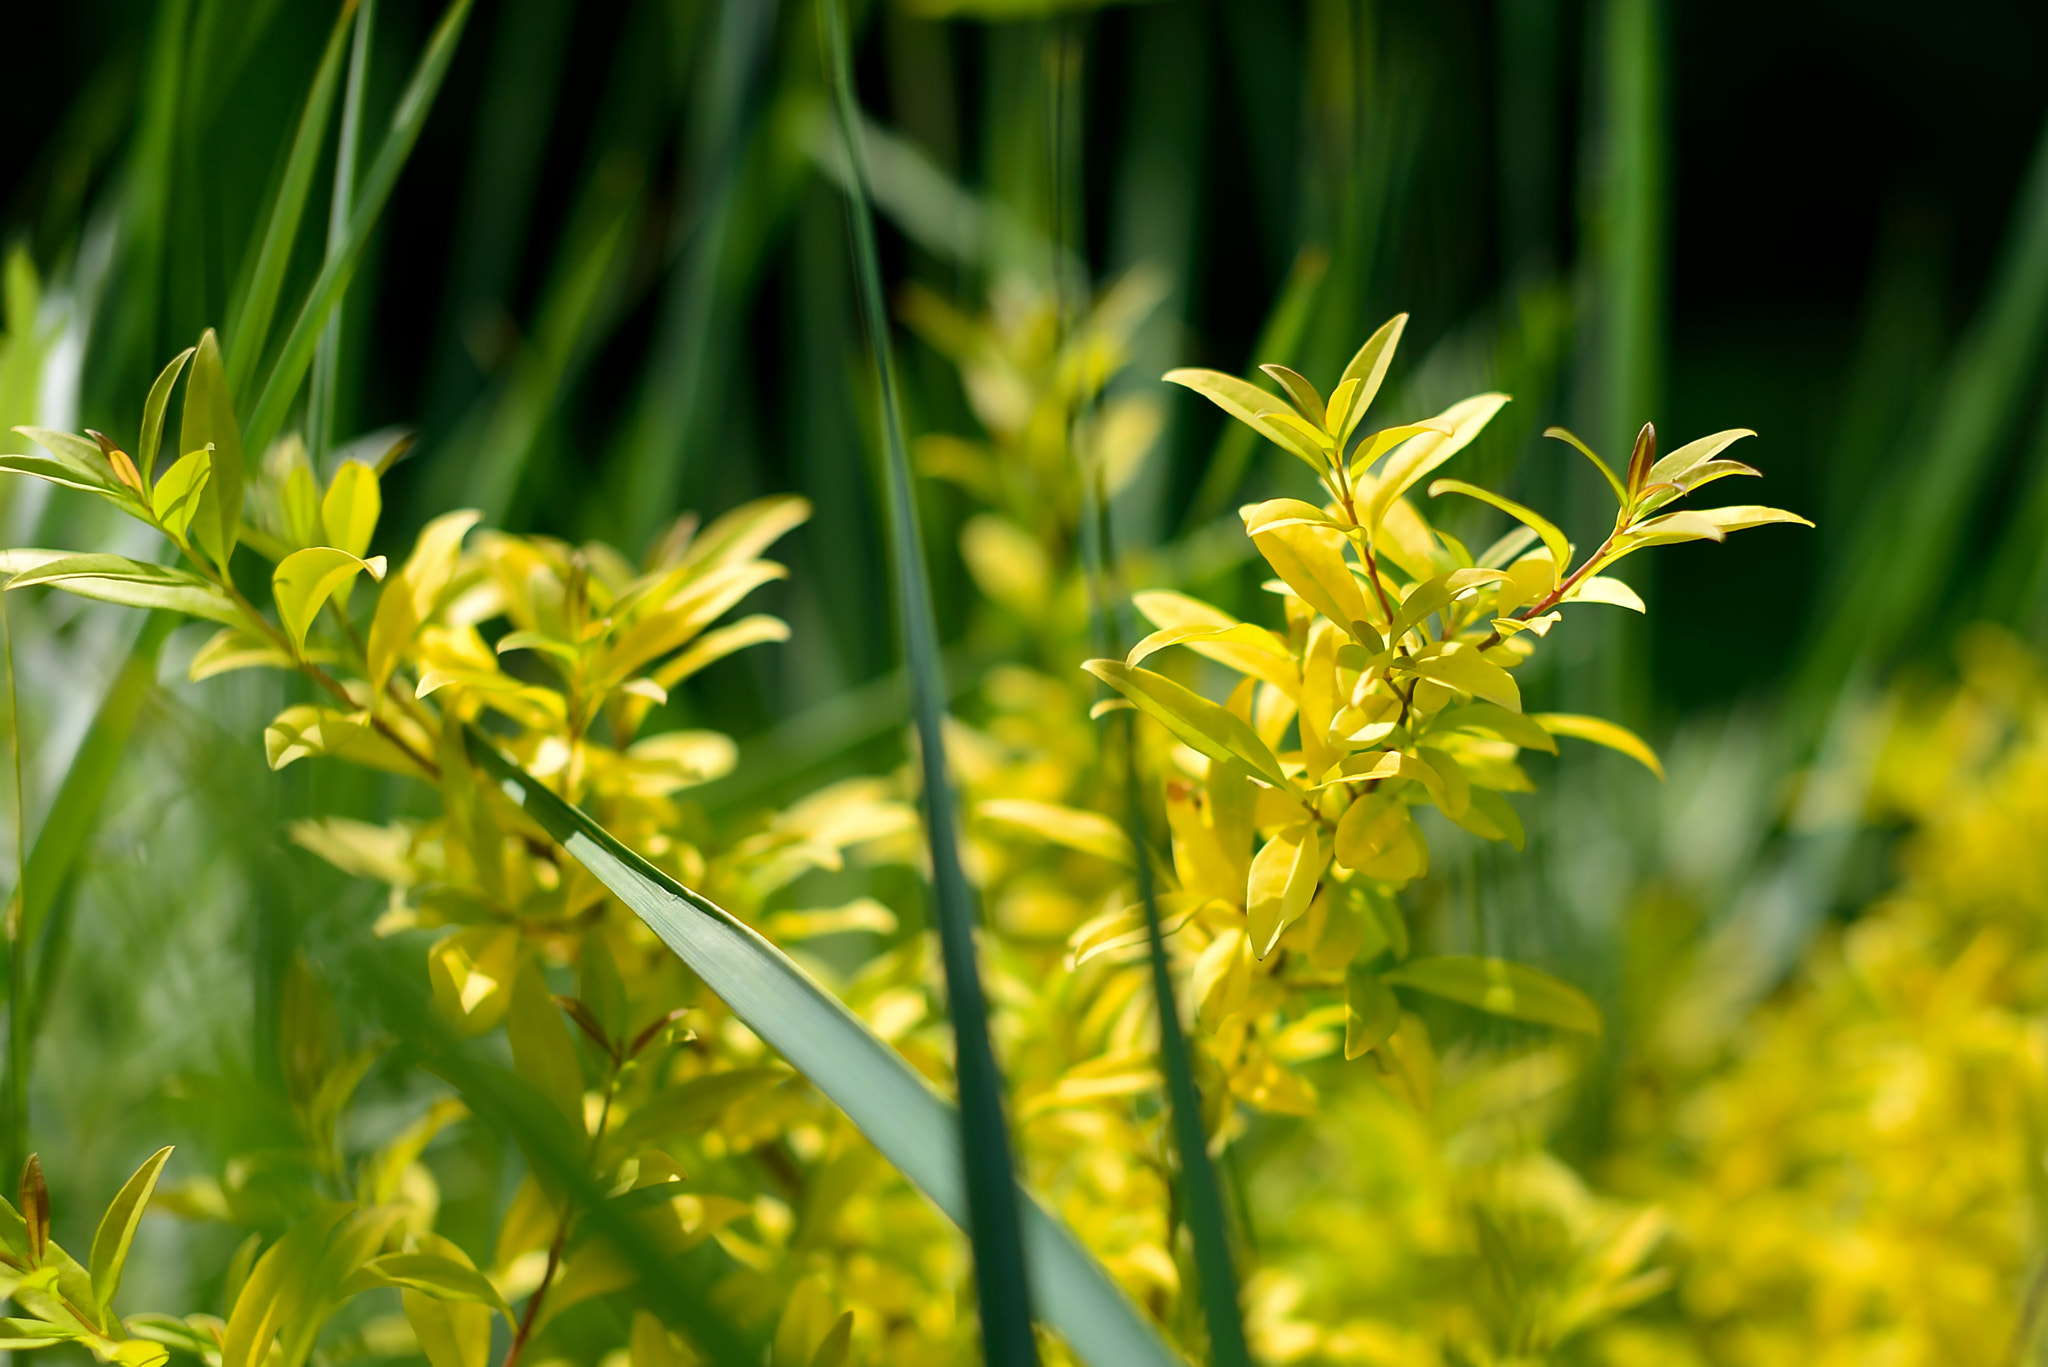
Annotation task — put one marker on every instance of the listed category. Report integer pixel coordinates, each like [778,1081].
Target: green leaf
[177,496]
[1371,1012]
[73,462]
[450,1333]
[153,407]
[542,1052]
[1264,413]
[1306,400]
[1502,988]
[1600,731]
[296,353]
[117,1232]
[304,580]
[1606,471]
[1369,367]
[995,1221]
[1089,832]
[438,1276]
[117,579]
[1515,727]
[250,327]
[210,421]
[1462,667]
[891,1103]
[1430,445]
[1560,548]
[1674,467]
[1213,730]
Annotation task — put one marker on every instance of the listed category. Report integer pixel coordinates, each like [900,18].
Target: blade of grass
[250,327]
[915,1128]
[683,369]
[327,355]
[17,947]
[993,1227]
[267,417]
[1201,1197]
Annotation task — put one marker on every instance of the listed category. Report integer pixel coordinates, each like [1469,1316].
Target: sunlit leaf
[1088,832]
[1560,548]
[117,1231]
[117,579]
[1601,732]
[1204,725]
[209,422]
[1502,988]
[304,580]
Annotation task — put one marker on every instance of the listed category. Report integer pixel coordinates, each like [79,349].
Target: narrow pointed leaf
[1600,731]
[210,421]
[1560,548]
[1502,988]
[914,1128]
[117,1231]
[152,437]
[117,579]
[251,325]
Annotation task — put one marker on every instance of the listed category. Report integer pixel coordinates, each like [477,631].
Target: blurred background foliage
[612,283]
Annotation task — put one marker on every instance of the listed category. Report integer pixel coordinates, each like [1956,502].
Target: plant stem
[531,1315]
[17,951]
[994,1223]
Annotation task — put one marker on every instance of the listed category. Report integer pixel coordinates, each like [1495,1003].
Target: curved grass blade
[1002,1276]
[250,327]
[406,121]
[916,1129]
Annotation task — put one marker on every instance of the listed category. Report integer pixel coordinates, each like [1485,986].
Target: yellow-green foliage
[1387,685]
[1860,1181]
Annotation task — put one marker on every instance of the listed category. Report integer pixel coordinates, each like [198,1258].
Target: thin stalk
[531,1315]
[1200,1195]
[17,948]
[994,1224]
[327,355]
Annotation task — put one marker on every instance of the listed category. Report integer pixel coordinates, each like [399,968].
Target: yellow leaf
[1598,588]
[349,512]
[1371,1012]
[1221,980]
[1283,879]
[1424,447]
[1088,832]
[1310,561]
[175,500]
[1459,666]
[1560,548]
[304,580]
[1378,838]
[1600,731]
[1211,730]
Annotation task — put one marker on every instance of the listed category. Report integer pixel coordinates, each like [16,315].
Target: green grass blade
[1200,1194]
[1279,341]
[993,1226]
[250,327]
[267,417]
[917,1130]
[327,355]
